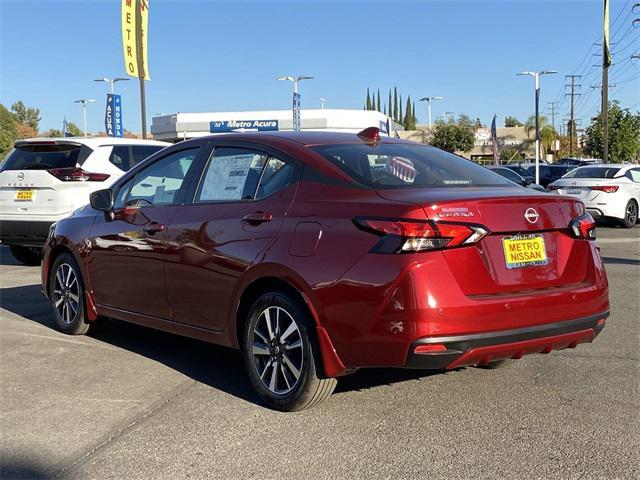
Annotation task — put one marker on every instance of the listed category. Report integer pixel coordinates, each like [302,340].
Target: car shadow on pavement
[218,367]
[23,470]
[6,258]
[620,261]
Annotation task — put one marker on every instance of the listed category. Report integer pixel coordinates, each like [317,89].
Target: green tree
[368,102]
[413,115]
[379,103]
[454,136]
[510,154]
[373,102]
[52,132]
[409,120]
[8,132]
[512,122]
[74,130]
[26,115]
[400,113]
[395,104]
[547,133]
[624,135]
[390,105]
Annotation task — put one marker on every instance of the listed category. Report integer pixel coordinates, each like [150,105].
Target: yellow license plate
[25,195]
[524,251]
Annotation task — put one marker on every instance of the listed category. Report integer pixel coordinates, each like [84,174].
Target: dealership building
[183,126]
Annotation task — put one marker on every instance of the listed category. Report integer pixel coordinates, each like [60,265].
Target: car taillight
[606,188]
[583,227]
[74,174]
[408,236]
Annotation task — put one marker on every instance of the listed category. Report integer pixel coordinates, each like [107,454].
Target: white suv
[44,179]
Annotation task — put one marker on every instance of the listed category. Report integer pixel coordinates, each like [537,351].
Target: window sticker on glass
[230,175]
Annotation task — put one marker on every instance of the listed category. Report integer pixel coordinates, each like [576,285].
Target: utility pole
[606,61]
[553,106]
[571,126]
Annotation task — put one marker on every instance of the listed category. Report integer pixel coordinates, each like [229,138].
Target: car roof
[91,141]
[307,139]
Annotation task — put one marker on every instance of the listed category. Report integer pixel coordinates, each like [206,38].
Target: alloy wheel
[632,213]
[278,350]
[66,293]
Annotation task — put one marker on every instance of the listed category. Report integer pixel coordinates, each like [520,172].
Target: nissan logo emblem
[531,215]
[20,176]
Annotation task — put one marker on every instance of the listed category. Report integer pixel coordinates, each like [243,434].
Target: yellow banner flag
[135,19]
[606,52]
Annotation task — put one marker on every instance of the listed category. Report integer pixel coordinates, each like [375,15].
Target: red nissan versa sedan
[320,253]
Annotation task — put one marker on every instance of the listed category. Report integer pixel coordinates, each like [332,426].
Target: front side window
[634,175]
[401,165]
[232,174]
[160,183]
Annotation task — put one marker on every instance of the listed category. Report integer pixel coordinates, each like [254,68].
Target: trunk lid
[512,216]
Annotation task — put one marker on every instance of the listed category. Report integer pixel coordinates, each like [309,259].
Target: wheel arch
[332,366]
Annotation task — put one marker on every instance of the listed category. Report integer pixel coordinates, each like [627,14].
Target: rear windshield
[42,157]
[593,172]
[399,165]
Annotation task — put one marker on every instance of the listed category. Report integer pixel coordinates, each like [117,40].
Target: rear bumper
[480,349]
[23,232]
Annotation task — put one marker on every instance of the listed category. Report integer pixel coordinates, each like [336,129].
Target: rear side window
[126,157]
[634,175]
[508,174]
[232,174]
[42,157]
[593,172]
[120,157]
[277,176]
[140,152]
[400,165]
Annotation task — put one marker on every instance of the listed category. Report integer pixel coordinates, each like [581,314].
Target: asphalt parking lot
[129,402]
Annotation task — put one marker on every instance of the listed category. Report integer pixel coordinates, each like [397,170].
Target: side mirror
[103,200]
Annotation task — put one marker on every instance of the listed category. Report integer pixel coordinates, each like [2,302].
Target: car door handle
[257,218]
[153,227]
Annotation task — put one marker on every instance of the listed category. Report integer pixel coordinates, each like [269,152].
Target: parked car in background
[44,179]
[319,253]
[577,162]
[510,174]
[610,191]
[520,170]
[548,173]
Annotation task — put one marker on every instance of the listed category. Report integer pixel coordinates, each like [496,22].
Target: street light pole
[84,102]
[295,111]
[111,81]
[536,76]
[428,100]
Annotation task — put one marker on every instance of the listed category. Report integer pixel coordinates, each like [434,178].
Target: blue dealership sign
[113,116]
[243,126]
[296,112]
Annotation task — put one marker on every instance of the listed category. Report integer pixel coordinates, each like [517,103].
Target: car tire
[26,255]
[630,214]
[281,355]
[66,295]
[496,364]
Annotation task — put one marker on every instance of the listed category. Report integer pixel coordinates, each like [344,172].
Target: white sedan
[609,191]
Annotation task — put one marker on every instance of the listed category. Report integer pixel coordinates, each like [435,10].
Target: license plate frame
[25,195]
[529,251]
[574,191]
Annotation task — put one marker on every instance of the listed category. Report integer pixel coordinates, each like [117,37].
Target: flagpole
[143,108]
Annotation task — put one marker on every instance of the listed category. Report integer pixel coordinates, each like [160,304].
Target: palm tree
[547,132]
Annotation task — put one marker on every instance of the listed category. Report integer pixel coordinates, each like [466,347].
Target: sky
[224,56]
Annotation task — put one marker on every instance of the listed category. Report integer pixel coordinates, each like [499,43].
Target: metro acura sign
[243,125]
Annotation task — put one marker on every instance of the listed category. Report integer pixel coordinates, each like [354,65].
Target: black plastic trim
[459,344]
